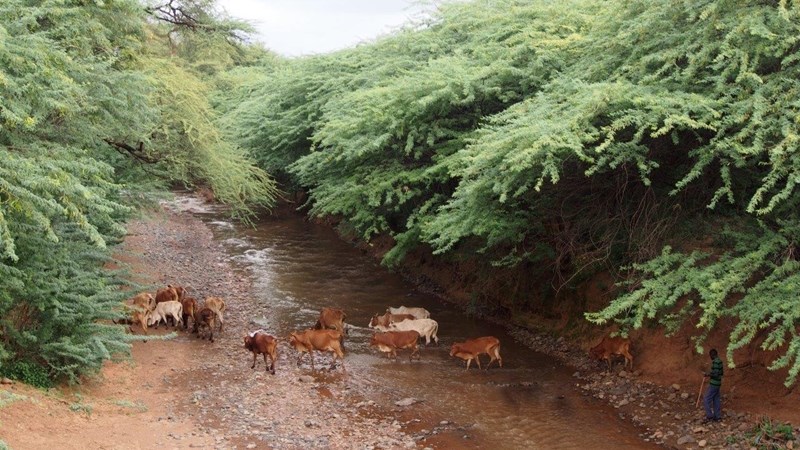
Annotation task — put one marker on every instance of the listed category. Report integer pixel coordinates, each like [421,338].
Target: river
[533,402]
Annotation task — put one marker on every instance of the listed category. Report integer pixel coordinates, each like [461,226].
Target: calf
[382,323]
[322,340]
[613,346]
[217,305]
[330,318]
[189,309]
[390,341]
[418,313]
[473,348]
[205,318]
[425,327]
[143,305]
[163,310]
[259,342]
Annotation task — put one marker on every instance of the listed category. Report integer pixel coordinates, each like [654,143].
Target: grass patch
[79,406]
[769,434]
[7,398]
[139,406]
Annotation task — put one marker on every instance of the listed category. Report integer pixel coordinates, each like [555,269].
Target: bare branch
[136,152]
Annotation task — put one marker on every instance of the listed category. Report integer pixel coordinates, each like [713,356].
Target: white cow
[419,313]
[166,309]
[425,327]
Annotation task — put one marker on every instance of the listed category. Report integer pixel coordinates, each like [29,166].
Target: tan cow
[330,318]
[613,346]
[164,310]
[382,322]
[390,341]
[218,306]
[144,300]
[143,305]
[322,340]
[473,348]
[259,342]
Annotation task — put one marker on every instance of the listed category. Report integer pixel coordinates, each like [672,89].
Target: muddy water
[531,403]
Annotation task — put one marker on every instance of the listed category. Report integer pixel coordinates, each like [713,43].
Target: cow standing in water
[473,348]
[322,340]
[390,341]
[331,319]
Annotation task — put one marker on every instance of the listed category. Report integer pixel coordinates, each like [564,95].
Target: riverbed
[297,267]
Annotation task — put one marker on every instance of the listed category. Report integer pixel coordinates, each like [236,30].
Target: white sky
[304,27]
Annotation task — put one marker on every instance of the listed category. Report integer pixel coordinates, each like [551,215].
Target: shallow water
[297,268]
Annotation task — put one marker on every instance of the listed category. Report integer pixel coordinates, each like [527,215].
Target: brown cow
[382,322]
[170,293]
[259,342]
[218,306]
[390,341]
[322,340]
[610,346]
[143,306]
[473,348]
[205,318]
[189,309]
[330,318]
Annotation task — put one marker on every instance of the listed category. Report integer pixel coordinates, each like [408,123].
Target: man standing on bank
[712,400]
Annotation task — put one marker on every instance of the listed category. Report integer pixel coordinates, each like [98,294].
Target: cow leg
[220,321]
[628,357]
[469,361]
[414,351]
[271,364]
[340,354]
[478,359]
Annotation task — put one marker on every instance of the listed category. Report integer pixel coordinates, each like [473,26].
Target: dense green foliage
[92,110]
[562,139]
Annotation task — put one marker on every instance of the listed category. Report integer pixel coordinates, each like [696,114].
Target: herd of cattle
[397,329]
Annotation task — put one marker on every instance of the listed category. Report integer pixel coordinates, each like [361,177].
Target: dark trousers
[713,403]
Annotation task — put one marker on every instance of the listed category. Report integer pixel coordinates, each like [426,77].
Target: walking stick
[697,403]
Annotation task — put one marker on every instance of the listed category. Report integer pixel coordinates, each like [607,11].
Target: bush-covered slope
[97,104]
[566,138]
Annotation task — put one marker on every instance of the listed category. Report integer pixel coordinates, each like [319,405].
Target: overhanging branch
[136,152]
